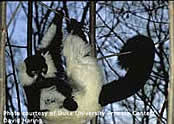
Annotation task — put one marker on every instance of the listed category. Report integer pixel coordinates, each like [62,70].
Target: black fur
[35,64]
[139,64]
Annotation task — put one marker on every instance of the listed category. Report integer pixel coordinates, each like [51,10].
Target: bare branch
[92,27]
[29,28]
[171,87]
[116,54]
[2,57]
[14,14]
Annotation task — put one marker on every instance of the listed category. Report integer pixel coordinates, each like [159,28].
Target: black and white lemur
[83,90]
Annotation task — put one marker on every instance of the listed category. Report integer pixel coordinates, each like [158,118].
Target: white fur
[23,76]
[51,67]
[86,74]
[48,36]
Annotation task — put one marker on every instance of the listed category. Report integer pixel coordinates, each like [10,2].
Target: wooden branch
[29,28]
[113,55]
[85,11]
[92,27]
[171,85]
[2,57]
[14,14]
[92,37]
[15,81]
[53,10]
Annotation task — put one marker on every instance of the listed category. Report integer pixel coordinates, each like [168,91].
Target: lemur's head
[36,66]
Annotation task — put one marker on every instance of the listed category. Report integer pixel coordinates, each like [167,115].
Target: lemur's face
[36,66]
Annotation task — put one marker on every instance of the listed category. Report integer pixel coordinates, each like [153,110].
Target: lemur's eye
[44,70]
[33,72]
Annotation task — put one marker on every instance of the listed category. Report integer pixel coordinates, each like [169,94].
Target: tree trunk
[171,86]
[2,57]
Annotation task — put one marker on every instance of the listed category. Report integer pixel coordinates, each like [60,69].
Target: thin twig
[13,15]
[53,10]
[24,8]
[162,112]
[115,54]
[16,46]
[15,81]
[29,28]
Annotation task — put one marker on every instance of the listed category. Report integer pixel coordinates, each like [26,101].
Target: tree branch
[2,57]
[29,28]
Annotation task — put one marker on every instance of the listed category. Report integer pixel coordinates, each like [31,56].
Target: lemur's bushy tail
[139,64]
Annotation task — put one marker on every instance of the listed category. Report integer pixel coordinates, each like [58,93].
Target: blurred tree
[116,21]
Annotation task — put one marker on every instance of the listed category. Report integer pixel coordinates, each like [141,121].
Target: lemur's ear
[76,28]
[139,63]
